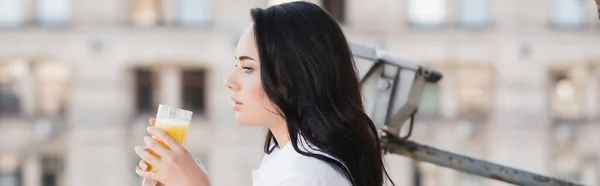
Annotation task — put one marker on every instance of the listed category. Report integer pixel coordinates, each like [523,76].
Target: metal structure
[598,5]
[392,88]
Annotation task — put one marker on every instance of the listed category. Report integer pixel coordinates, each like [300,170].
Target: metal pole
[598,5]
[469,165]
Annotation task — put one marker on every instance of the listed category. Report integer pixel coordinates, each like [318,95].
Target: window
[563,96]
[10,102]
[194,12]
[10,169]
[193,86]
[10,178]
[569,13]
[417,177]
[475,92]
[337,9]
[52,168]
[146,12]
[53,12]
[145,84]
[12,13]
[427,13]
[475,13]
[425,174]
[35,89]
[429,100]
[276,2]
[52,85]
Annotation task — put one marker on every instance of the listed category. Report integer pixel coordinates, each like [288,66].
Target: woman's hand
[176,166]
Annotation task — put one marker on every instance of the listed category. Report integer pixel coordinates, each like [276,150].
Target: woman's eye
[247,70]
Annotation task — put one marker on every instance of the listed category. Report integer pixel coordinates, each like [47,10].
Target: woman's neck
[280,132]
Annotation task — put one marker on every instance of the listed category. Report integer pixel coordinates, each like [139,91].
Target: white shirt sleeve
[286,167]
[313,172]
[304,172]
[300,182]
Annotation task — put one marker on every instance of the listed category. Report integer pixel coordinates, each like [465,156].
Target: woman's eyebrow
[241,58]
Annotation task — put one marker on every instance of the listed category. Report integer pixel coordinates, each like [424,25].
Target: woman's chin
[240,120]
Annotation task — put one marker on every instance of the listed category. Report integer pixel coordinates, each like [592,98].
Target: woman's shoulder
[287,167]
[311,168]
[294,169]
[314,171]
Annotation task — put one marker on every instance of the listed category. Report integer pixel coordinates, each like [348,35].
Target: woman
[295,75]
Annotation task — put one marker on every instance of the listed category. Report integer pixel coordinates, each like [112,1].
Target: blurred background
[79,79]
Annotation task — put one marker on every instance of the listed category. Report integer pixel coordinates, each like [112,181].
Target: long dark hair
[308,72]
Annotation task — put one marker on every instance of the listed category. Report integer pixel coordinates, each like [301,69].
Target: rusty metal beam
[407,79]
[467,164]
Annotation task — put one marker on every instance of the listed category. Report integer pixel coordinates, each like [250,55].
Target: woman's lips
[236,104]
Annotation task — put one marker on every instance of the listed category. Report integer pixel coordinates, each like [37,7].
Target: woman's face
[249,101]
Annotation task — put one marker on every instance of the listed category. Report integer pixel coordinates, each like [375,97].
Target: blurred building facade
[79,79]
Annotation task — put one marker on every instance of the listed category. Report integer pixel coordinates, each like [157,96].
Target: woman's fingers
[156,146]
[152,121]
[146,156]
[146,174]
[163,136]
[143,165]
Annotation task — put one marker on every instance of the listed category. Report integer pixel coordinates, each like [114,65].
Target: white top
[286,167]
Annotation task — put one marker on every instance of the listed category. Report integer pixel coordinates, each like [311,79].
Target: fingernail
[144,166]
[146,138]
[137,148]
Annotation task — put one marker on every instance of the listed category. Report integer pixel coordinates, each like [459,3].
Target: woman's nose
[231,82]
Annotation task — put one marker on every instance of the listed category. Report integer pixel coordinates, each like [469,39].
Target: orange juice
[176,128]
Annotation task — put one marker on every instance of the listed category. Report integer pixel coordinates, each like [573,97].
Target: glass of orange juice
[176,122]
